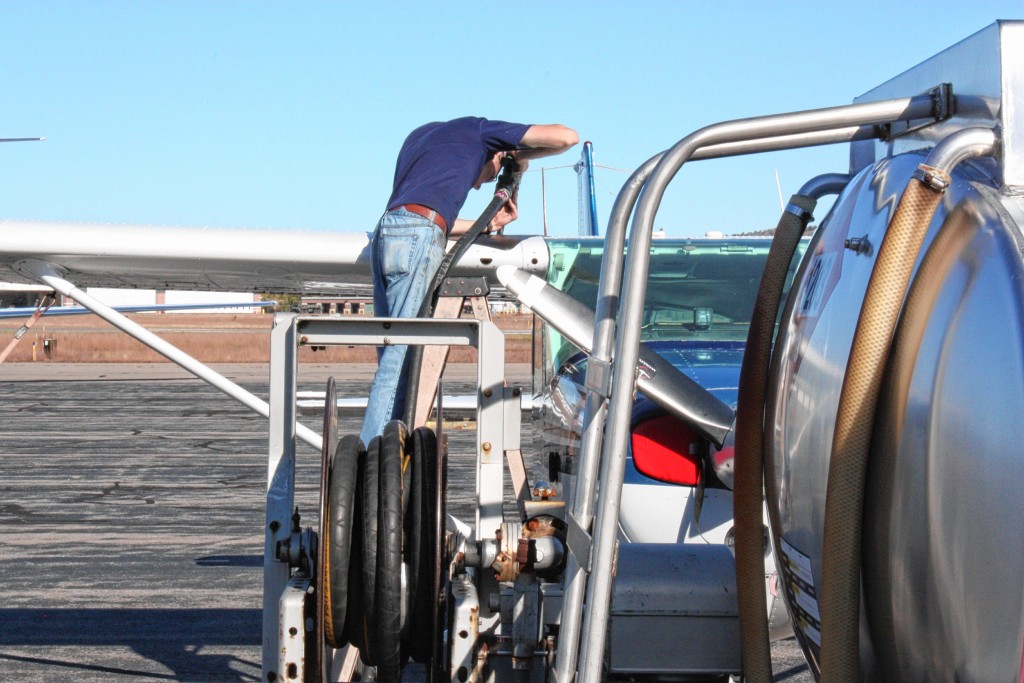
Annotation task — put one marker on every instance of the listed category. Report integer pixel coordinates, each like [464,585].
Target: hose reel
[377,587]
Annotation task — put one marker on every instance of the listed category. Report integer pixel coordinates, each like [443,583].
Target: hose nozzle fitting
[508,179]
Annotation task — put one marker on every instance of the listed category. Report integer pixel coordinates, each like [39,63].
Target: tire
[340,524]
[388,589]
[371,493]
[355,615]
[421,544]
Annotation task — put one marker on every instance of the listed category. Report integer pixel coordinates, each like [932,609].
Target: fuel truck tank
[942,578]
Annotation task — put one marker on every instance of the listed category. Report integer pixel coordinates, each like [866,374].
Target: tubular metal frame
[291,331]
[648,183]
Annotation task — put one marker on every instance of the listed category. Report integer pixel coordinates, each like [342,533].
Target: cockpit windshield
[699,290]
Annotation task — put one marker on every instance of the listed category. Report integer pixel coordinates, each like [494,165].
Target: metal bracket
[291,660]
[513,414]
[944,106]
[465,286]
[579,542]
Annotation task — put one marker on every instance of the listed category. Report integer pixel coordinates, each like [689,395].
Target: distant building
[148,297]
[335,305]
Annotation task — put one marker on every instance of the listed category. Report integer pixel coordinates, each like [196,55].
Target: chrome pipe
[780,142]
[962,145]
[593,413]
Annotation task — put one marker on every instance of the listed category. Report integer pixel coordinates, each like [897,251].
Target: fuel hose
[508,183]
[841,546]
[748,479]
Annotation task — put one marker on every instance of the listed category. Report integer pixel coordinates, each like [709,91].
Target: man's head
[490,170]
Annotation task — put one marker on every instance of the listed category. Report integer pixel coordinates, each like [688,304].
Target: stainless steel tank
[943,535]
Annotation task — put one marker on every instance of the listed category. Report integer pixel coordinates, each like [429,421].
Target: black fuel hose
[508,183]
[748,478]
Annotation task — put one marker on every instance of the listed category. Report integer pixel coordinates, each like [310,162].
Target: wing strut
[43,306]
[53,276]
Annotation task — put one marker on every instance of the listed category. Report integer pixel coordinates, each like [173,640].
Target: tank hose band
[798,211]
[933,178]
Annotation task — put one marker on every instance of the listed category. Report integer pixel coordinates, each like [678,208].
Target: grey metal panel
[674,610]
[986,71]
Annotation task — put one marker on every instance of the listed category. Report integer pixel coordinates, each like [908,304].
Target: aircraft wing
[219,259]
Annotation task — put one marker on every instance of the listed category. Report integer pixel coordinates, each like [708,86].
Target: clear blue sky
[289,115]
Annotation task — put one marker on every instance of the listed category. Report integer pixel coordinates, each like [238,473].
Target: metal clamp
[599,377]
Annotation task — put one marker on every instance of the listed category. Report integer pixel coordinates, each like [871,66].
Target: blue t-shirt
[440,162]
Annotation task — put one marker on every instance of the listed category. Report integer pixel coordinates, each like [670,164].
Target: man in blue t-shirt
[438,165]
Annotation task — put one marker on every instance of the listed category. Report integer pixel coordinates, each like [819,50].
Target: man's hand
[522,163]
[505,215]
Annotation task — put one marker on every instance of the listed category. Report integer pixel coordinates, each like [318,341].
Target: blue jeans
[406,252]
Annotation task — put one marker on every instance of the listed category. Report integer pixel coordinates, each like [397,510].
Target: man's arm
[460,228]
[505,215]
[545,140]
[538,141]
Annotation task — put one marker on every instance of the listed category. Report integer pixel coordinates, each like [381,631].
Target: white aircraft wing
[72,256]
[220,259]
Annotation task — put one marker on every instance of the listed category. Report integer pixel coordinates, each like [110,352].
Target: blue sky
[289,115]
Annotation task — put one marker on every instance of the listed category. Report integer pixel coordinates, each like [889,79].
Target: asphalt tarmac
[131,508]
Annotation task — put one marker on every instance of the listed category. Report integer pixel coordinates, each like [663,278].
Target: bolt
[387,340]
[274,526]
[858,245]
[487,446]
[303,339]
[488,393]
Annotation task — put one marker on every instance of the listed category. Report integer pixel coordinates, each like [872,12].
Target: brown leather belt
[425,211]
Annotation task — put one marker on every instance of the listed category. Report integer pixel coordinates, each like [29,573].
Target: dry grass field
[210,338]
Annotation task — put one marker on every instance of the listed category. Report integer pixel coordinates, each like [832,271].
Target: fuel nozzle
[508,179]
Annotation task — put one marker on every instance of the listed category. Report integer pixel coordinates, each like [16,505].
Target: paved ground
[131,508]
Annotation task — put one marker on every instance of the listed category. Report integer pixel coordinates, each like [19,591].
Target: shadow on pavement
[175,638]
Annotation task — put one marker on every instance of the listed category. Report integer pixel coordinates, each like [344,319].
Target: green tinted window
[698,289]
